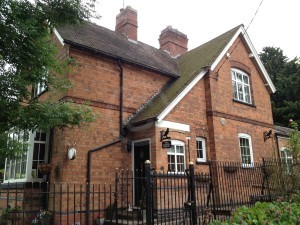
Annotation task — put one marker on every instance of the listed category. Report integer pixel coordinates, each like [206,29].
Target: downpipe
[89,163]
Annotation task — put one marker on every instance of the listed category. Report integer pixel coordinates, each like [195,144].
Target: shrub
[279,212]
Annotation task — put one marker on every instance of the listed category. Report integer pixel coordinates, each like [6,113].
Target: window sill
[248,166]
[170,174]
[202,163]
[244,103]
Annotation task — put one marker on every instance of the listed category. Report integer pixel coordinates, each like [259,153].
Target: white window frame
[176,143]
[202,140]
[288,158]
[39,88]
[30,173]
[244,85]
[246,136]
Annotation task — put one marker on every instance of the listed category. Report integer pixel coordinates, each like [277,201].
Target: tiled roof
[283,131]
[190,65]
[113,44]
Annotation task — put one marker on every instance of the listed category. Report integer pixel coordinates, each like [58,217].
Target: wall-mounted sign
[166,144]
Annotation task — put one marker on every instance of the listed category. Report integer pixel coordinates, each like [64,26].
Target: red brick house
[213,101]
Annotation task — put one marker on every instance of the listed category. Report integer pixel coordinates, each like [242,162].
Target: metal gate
[170,197]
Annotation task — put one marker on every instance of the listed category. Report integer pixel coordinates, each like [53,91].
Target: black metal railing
[157,197]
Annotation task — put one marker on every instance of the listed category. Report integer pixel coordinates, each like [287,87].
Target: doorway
[141,153]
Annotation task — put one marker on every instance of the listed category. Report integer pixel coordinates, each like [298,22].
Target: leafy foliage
[279,212]
[294,141]
[285,75]
[28,57]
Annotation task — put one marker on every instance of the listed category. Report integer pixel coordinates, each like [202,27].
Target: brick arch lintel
[241,66]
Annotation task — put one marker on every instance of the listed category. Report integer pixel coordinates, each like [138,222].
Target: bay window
[24,166]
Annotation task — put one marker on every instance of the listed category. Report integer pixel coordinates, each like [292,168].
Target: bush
[279,212]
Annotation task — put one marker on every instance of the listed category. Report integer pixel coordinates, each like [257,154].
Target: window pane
[37,135]
[36,151]
[199,150]
[23,169]
[180,168]
[240,77]
[234,90]
[179,149]
[176,158]
[7,169]
[42,152]
[245,150]
[43,136]
[240,92]
[171,162]
[199,144]
[18,170]
[246,80]
[241,86]
[200,154]
[233,75]
[180,159]
[172,149]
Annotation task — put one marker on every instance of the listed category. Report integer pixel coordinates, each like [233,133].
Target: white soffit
[173,125]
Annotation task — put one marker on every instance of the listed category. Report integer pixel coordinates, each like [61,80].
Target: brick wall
[96,80]
[210,111]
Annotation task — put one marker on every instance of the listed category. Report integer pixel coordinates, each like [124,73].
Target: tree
[285,75]
[28,58]
[294,141]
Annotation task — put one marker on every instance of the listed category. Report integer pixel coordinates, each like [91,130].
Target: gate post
[148,193]
[193,193]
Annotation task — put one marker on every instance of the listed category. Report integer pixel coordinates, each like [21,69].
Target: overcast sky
[276,24]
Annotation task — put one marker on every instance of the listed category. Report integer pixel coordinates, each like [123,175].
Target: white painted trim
[242,31]
[203,148]
[173,125]
[225,50]
[61,40]
[29,160]
[256,57]
[247,136]
[132,149]
[186,90]
[178,143]
[132,158]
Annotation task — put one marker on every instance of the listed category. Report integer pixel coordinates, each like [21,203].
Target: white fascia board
[61,40]
[242,31]
[258,61]
[181,96]
[225,50]
[173,125]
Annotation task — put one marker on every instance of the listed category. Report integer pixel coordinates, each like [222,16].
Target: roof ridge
[102,40]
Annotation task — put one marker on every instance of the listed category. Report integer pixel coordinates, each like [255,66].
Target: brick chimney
[126,23]
[173,41]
